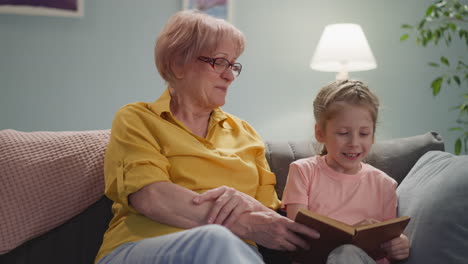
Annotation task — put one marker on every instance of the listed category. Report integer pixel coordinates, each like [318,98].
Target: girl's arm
[292,209]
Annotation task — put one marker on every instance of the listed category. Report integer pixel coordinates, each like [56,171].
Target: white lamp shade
[343,48]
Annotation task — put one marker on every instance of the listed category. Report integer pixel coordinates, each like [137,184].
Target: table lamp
[343,48]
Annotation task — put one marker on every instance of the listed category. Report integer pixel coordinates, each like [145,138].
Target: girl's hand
[397,248]
[229,204]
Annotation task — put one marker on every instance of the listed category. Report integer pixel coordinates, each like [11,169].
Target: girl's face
[348,137]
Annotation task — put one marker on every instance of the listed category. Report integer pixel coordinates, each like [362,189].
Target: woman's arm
[274,231]
[228,205]
[263,225]
[171,204]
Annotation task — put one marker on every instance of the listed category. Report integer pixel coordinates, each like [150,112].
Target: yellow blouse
[148,144]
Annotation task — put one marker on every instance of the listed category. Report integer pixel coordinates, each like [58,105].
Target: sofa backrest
[79,238]
[395,157]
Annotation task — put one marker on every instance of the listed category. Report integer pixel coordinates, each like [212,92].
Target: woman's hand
[274,231]
[397,248]
[228,205]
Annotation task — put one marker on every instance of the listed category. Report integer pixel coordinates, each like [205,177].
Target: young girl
[337,183]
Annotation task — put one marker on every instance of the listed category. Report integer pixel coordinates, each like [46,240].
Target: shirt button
[209,146]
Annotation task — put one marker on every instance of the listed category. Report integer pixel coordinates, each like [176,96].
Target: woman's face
[205,86]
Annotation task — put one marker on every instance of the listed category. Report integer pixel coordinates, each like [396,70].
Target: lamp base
[342,76]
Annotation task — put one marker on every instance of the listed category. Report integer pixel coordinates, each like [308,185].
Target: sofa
[53,209]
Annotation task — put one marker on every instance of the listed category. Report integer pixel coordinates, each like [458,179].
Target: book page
[325,220]
[388,222]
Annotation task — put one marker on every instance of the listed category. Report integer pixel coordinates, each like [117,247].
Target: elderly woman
[190,183]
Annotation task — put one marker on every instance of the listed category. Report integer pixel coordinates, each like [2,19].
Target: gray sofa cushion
[435,195]
[395,157]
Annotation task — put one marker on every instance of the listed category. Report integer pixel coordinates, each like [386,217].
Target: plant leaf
[453,27]
[463,108]
[406,26]
[458,145]
[436,85]
[421,24]
[430,10]
[444,61]
[433,64]
[441,4]
[429,35]
[457,79]
[437,36]
[405,36]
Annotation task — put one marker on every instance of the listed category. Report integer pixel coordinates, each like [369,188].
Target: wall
[73,74]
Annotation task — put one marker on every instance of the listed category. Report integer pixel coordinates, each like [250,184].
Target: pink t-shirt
[370,193]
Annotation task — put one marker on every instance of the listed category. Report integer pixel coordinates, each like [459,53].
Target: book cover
[334,233]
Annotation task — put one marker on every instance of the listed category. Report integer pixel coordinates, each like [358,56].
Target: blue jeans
[205,244]
[349,254]
[208,244]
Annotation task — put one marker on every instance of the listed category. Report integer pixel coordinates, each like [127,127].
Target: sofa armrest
[76,241]
[47,178]
[434,194]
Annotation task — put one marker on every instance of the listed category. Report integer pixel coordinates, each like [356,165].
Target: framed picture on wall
[217,8]
[67,8]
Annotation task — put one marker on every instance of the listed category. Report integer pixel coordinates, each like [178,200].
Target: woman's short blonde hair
[189,33]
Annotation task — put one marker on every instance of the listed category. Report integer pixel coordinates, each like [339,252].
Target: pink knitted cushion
[46,178]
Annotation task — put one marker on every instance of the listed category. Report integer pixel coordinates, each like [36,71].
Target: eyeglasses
[220,65]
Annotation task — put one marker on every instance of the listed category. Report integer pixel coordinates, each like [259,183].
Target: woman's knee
[225,246]
[216,232]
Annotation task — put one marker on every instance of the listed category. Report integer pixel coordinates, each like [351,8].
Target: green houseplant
[444,22]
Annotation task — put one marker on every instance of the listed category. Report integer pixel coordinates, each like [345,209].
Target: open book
[334,233]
